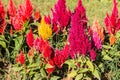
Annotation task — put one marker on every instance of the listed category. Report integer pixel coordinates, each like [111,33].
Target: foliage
[61,45]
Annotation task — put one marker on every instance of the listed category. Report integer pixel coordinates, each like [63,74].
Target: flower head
[30,38]
[96,40]
[61,56]
[44,29]
[92,55]
[99,29]
[78,39]
[112,22]
[20,58]
[61,16]
[11,8]
[2,18]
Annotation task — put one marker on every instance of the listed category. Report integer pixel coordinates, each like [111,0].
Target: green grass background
[94,8]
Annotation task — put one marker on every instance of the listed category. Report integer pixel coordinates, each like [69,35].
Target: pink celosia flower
[92,55]
[61,16]
[48,19]
[2,18]
[78,39]
[112,22]
[96,40]
[20,58]
[11,8]
[30,38]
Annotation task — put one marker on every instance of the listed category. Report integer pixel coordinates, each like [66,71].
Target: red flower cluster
[30,38]
[2,18]
[19,17]
[20,58]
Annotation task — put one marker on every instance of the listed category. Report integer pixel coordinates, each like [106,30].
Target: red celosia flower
[92,55]
[37,15]
[52,67]
[113,22]
[17,23]
[28,8]
[61,16]
[30,38]
[79,43]
[11,8]
[23,14]
[61,56]
[2,18]
[20,58]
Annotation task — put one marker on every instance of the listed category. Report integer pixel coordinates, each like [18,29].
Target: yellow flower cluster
[44,29]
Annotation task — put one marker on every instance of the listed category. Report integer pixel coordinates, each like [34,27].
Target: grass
[94,8]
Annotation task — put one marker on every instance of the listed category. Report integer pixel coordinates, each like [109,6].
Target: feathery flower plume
[2,18]
[79,43]
[44,29]
[20,58]
[30,38]
[61,16]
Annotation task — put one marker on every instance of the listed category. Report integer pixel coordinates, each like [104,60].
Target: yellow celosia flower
[44,29]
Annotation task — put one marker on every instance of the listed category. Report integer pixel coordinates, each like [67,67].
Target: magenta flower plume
[78,39]
[113,22]
[96,40]
[30,38]
[92,55]
[61,16]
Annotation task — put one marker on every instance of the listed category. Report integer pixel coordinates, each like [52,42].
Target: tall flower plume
[44,29]
[20,58]
[78,39]
[61,16]
[2,18]
[23,14]
[30,38]
[11,8]
[112,23]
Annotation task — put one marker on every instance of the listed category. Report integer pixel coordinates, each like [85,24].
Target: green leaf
[72,74]
[54,78]
[2,42]
[18,42]
[90,65]
[83,70]
[43,73]
[17,68]
[33,65]
[71,63]
[96,74]
[79,77]
[106,57]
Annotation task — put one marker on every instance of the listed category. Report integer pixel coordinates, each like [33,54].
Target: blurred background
[94,8]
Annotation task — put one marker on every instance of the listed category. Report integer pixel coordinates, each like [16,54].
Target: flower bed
[58,47]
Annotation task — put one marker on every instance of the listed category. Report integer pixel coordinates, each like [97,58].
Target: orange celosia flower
[99,29]
[112,39]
